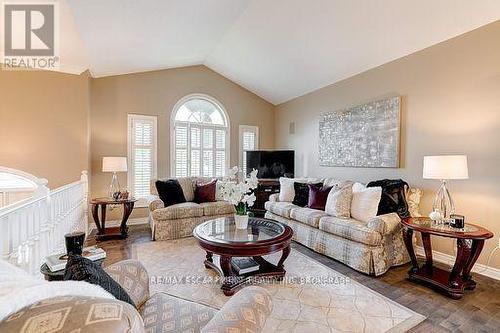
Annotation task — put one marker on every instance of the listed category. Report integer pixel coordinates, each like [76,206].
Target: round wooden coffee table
[262,237]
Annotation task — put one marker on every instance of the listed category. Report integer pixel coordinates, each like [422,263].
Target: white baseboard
[116,223]
[444,258]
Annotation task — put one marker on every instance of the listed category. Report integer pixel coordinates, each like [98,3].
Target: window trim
[248,128]
[227,127]
[142,202]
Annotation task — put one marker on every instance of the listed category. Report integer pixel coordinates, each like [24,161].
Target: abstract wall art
[366,135]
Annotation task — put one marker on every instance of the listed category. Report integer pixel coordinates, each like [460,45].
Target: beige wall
[451,104]
[155,93]
[44,124]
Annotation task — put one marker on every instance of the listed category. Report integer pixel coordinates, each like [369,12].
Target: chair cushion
[280,208]
[217,208]
[307,215]
[178,211]
[350,229]
[165,313]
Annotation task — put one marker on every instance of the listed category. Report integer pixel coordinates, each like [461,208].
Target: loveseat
[370,247]
[247,311]
[179,220]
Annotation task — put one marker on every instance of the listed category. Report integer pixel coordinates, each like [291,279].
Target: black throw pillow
[393,199]
[301,197]
[80,268]
[170,192]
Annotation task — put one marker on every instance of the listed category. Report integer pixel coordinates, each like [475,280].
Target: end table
[59,275]
[104,233]
[470,242]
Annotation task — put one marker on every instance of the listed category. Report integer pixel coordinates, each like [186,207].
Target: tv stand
[265,188]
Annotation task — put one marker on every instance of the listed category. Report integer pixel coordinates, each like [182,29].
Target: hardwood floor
[477,311]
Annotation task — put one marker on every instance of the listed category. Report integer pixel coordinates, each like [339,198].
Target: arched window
[200,145]
[16,185]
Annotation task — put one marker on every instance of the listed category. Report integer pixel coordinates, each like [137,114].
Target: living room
[327,100]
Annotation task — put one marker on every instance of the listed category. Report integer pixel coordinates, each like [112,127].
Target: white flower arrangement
[239,193]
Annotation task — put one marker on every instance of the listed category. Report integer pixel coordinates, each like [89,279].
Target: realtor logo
[30,35]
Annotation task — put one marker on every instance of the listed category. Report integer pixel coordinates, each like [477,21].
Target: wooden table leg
[284,255]
[127,210]
[95,215]
[477,247]
[103,218]
[463,255]
[210,258]
[408,239]
[426,240]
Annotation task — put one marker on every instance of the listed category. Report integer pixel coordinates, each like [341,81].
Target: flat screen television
[271,164]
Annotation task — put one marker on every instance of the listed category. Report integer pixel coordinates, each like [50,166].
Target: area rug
[312,298]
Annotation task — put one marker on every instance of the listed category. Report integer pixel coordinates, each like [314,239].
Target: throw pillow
[393,198]
[205,192]
[79,268]
[170,192]
[301,190]
[365,200]
[318,196]
[287,191]
[339,200]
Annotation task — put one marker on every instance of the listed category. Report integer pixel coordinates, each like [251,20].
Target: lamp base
[114,187]
[443,203]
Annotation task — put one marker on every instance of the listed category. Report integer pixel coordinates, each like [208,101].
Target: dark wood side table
[470,242]
[104,233]
[264,189]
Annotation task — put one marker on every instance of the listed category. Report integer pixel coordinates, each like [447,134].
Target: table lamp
[444,168]
[114,164]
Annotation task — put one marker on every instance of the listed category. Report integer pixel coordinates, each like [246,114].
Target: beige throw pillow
[365,200]
[338,202]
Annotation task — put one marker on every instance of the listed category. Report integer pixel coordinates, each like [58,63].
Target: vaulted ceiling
[278,49]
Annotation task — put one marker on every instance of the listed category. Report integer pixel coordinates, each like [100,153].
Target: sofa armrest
[275,197]
[133,277]
[154,203]
[75,314]
[385,224]
[247,311]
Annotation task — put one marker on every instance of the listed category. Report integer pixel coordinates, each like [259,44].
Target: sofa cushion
[350,229]
[217,208]
[205,192]
[338,202]
[365,200]
[178,211]
[307,215]
[165,313]
[280,208]
[170,192]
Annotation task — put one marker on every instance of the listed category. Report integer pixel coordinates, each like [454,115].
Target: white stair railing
[34,228]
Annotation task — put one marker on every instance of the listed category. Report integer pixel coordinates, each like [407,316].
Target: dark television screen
[271,164]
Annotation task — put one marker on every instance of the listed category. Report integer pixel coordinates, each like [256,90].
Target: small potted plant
[239,194]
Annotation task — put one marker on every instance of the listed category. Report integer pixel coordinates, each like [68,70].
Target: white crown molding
[447,259]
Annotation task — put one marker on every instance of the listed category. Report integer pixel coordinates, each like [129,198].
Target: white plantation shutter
[200,147]
[141,154]
[249,140]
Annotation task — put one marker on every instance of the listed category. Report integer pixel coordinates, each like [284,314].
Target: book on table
[57,262]
[244,265]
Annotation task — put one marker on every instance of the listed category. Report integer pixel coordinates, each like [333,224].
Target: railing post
[85,186]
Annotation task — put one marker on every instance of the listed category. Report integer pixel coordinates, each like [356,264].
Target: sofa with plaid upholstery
[179,220]
[370,247]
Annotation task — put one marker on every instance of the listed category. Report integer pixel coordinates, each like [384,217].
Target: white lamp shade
[445,167]
[114,164]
